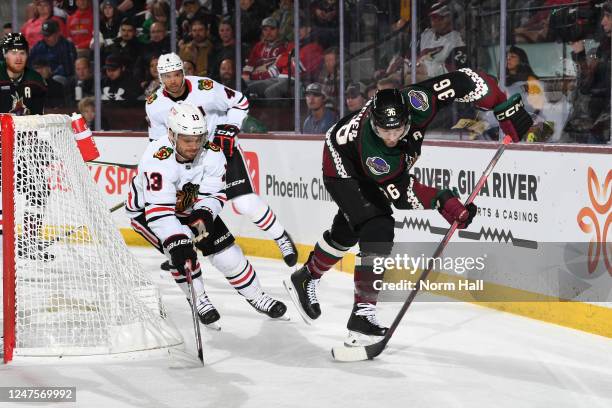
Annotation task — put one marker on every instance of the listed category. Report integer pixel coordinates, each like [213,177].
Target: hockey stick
[369,352]
[194,315]
[103,163]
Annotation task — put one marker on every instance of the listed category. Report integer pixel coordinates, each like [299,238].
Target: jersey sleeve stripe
[152,219]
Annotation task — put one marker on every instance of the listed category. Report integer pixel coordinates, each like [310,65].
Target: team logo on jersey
[418,100]
[377,165]
[212,146]
[186,196]
[163,153]
[19,107]
[152,97]
[205,84]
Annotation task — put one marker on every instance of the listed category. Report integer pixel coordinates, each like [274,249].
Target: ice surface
[443,355]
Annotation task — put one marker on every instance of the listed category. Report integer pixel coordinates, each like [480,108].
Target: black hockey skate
[303,291]
[364,328]
[267,305]
[165,266]
[206,312]
[288,249]
[37,250]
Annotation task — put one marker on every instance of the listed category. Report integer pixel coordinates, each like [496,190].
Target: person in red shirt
[32,28]
[283,70]
[264,53]
[80,26]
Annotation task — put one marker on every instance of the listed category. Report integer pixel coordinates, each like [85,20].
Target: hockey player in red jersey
[366,162]
[225,110]
[174,201]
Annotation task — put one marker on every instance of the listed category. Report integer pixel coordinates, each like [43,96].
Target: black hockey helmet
[389,110]
[14,41]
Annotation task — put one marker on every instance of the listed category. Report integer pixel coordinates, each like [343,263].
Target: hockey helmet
[389,111]
[186,120]
[14,41]
[169,63]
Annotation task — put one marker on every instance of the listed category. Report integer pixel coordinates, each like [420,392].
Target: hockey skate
[34,249]
[206,312]
[267,305]
[364,328]
[165,266]
[303,291]
[288,249]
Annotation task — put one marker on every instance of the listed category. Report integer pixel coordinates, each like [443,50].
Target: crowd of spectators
[134,33]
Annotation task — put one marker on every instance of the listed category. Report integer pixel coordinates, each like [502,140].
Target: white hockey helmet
[186,120]
[169,63]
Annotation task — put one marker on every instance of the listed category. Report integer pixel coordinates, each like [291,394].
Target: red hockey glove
[513,118]
[225,138]
[201,222]
[452,210]
[181,252]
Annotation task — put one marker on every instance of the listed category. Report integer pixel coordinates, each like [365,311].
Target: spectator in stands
[192,10]
[117,85]
[151,82]
[320,118]
[329,77]
[536,28]
[199,49]
[520,78]
[252,12]
[189,67]
[160,13]
[284,16]
[441,49]
[589,119]
[129,8]
[7,28]
[264,53]
[356,96]
[159,44]
[325,21]
[57,51]
[227,75]
[42,12]
[80,27]
[225,48]
[126,45]
[283,70]
[87,108]
[55,91]
[110,20]
[82,84]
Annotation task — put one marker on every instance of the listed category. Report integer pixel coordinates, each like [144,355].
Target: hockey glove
[181,252]
[513,118]
[201,222]
[225,138]
[452,210]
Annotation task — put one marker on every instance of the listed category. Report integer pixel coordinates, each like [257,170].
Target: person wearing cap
[59,53]
[22,90]
[56,96]
[589,118]
[43,11]
[117,85]
[441,47]
[356,96]
[80,26]
[264,53]
[320,118]
[200,49]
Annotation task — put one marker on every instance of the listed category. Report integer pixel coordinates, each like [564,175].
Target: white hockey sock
[181,281]
[238,271]
[260,213]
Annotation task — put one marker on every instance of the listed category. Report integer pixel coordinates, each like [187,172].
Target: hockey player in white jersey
[174,201]
[225,110]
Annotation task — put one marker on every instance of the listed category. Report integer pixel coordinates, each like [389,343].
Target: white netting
[79,290]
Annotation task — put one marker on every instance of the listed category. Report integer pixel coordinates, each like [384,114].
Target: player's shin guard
[326,254]
[264,218]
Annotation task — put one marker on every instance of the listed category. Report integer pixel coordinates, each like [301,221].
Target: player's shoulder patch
[418,100]
[378,165]
[212,146]
[205,84]
[152,97]
[163,153]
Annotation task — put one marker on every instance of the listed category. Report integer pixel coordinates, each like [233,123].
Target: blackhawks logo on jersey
[163,153]
[151,98]
[212,146]
[205,84]
[186,196]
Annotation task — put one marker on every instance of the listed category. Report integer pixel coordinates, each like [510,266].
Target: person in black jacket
[117,85]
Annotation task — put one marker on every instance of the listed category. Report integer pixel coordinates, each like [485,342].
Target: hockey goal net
[70,285]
